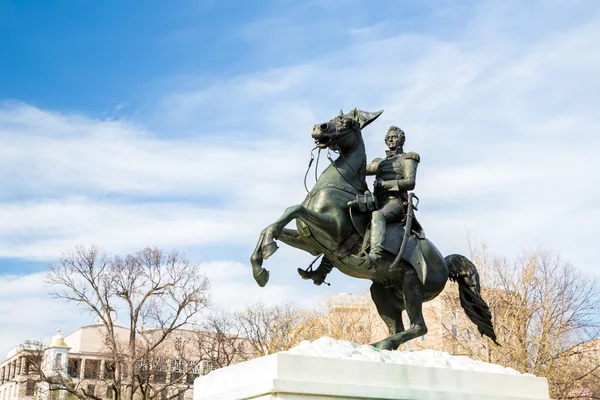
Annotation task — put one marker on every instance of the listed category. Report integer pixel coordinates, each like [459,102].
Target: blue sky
[91,56]
[126,124]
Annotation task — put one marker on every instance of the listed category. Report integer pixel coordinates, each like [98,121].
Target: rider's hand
[386,185]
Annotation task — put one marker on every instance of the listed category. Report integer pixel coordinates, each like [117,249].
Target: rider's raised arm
[410,162]
[372,166]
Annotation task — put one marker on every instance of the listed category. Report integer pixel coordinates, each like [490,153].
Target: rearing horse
[327,226]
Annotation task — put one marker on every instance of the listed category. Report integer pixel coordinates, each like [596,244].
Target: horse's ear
[367,117]
[353,114]
[364,118]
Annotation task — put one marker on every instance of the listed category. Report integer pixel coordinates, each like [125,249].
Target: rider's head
[395,137]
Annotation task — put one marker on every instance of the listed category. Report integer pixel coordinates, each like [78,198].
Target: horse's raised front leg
[315,221]
[291,237]
[266,245]
[261,275]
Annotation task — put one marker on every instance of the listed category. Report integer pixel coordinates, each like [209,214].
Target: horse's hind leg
[413,299]
[389,306]
[413,291]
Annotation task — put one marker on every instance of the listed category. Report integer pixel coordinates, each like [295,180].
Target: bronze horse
[327,225]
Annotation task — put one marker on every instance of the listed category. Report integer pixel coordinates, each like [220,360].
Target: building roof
[58,340]
[90,338]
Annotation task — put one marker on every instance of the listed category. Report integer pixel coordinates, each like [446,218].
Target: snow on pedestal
[332,369]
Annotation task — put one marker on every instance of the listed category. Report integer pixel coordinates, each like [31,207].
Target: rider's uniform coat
[398,170]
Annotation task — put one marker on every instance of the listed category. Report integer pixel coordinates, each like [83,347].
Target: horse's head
[343,130]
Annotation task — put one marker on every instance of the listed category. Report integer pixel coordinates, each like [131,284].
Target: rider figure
[394,177]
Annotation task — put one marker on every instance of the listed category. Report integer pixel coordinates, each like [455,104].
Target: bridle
[332,142]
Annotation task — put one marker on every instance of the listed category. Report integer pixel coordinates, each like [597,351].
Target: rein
[365,187]
[312,158]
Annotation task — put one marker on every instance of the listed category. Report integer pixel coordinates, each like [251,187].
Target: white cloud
[29,313]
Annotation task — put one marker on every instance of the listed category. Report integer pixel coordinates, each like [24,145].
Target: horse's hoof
[262,277]
[383,345]
[268,250]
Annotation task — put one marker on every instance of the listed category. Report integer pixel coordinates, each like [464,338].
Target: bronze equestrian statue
[340,219]
[394,177]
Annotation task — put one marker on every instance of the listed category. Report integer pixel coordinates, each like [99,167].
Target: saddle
[417,251]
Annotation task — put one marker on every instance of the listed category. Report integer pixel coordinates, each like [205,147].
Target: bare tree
[160,294]
[273,329]
[352,318]
[546,315]
[220,341]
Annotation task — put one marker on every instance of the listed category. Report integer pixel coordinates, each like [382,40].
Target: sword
[407,229]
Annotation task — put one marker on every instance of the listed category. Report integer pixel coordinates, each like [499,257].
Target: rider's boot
[318,276]
[377,237]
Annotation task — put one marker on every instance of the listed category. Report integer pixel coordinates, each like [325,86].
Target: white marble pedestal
[289,376]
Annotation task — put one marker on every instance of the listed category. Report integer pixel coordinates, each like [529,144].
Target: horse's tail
[464,272]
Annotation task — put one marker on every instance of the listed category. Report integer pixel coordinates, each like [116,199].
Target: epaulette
[411,155]
[378,159]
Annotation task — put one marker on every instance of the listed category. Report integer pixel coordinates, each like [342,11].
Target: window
[160,364]
[92,369]
[206,367]
[423,338]
[189,379]
[469,334]
[177,365]
[177,368]
[109,370]
[30,388]
[58,361]
[160,377]
[110,393]
[196,369]
[454,331]
[176,376]
[73,368]
[143,368]
[91,389]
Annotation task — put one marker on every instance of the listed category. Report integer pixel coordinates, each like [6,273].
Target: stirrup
[316,277]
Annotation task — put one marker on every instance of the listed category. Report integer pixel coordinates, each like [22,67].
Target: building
[81,361]
[15,371]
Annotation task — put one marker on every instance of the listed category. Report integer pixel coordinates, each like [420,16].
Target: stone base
[301,377]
